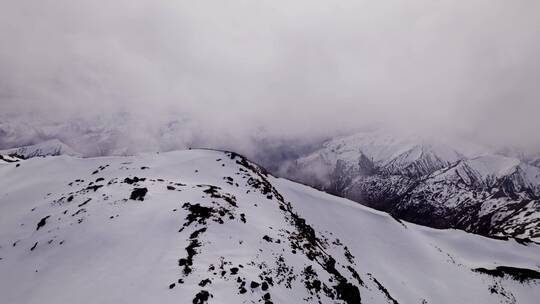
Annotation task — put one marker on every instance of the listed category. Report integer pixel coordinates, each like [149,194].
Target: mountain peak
[213,227]
[428,182]
[52,147]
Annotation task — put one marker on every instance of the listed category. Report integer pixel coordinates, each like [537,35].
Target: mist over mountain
[241,151]
[161,75]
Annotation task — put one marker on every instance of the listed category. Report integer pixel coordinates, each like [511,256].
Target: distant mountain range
[51,147]
[429,182]
[452,184]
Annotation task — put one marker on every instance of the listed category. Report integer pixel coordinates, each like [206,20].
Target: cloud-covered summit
[238,70]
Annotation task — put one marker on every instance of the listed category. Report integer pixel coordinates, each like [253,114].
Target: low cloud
[230,73]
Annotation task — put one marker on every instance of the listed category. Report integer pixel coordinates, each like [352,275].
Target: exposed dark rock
[42,222]
[133,180]
[187,262]
[85,202]
[138,194]
[197,213]
[518,274]
[384,290]
[94,187]
[202,297]
[195,234]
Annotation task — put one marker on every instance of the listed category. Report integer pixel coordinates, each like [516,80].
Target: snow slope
[203,226]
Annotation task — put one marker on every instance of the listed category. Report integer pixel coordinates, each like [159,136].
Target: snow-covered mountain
[204,226]
[490,195]
[6,158]
[535,161]
[366,153]
[51,147]
[429,182]
[115,133]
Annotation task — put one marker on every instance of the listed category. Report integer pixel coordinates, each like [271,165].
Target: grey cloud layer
[287,69]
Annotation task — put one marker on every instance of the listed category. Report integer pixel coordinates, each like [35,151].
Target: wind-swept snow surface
[204,226]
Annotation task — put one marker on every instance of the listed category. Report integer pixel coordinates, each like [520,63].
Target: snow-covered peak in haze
[115,133]
[428,181]
[204,226]
[388,152]
[535,161]
[494,165]
[387,143]
[51,147]
[488,170]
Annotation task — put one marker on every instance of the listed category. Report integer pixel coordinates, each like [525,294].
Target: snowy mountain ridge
[392,172]
[429,182]
[485,171]
[52,147]
[205,226]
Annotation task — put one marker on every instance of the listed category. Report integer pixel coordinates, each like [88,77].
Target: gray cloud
[227,72]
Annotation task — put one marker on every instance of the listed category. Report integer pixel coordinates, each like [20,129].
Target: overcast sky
[301,68]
